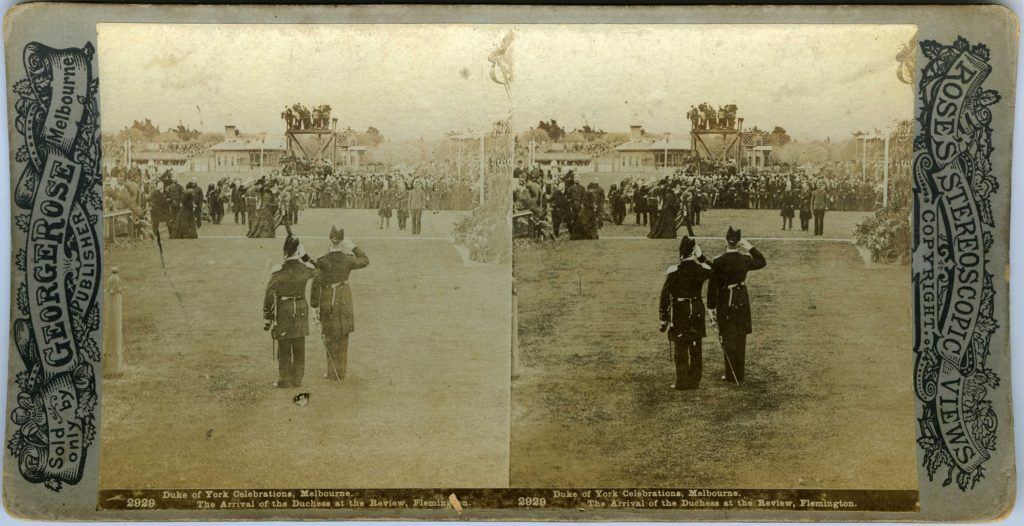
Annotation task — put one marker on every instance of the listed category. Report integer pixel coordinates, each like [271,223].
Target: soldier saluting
[331,293]
[729,302]
[682,312]
[287,314]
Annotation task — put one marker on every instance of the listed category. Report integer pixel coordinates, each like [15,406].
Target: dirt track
[425,403]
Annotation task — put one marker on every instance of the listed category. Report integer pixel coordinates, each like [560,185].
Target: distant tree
[554,131]
[575,137]
[146,127]
[778,137]
[370,138]
[186,134]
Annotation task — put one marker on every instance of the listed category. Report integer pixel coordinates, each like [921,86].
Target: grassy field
[826,403]
[425,403]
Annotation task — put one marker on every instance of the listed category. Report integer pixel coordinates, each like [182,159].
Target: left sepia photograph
[308,254]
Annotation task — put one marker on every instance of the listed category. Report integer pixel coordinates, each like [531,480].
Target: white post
[666,155]
[482,168]
[113,336]
[885,176]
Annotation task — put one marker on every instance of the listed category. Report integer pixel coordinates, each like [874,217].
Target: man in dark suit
[729,302]
[696,206]
[682,312]
[574,194]
[819,203]
[238,201]
[559,209]
[331,293]
[287,314]
[640,203]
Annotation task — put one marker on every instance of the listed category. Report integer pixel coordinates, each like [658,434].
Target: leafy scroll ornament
[58,200]
[954,292]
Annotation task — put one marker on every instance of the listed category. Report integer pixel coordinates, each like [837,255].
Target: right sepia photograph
[712,257]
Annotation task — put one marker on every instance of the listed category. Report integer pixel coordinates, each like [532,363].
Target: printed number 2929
[141,503]
[533,501]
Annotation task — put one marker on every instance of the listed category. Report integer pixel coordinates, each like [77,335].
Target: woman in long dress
[666,223]
[186,221]
[267,218]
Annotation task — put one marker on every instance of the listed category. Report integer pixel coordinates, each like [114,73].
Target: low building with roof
[640,155]
[160,158]
[759,156]
[246,152]
[574,160]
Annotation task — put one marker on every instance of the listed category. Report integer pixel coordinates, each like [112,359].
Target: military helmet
[291,244]
[337,235]
[732,236]
[686,246]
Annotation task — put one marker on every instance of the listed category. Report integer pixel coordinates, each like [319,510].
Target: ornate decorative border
[58,200]
[953,290]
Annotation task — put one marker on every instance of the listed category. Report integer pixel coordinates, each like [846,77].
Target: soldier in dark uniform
[287,314]
[729,302]
[682,312]
[331,293]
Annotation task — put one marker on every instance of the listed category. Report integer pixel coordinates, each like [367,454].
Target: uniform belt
[697,298]
[334,290]
[294,300]
[731,288]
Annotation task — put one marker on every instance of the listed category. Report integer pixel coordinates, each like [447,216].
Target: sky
[420,81]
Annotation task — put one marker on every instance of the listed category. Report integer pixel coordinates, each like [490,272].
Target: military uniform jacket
[331,292]
[285,300]
[681,304]
[727,291]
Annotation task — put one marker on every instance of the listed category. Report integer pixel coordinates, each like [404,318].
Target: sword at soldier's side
[721,342]
[326,350]
[269,327]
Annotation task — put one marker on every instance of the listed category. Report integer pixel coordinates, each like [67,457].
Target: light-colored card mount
[493,377]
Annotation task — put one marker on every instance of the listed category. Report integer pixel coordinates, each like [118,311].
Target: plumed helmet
[291,244]
[732,236]
[686,246]
[337,235]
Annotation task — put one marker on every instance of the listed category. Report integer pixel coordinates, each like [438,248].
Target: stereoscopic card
[510,263]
